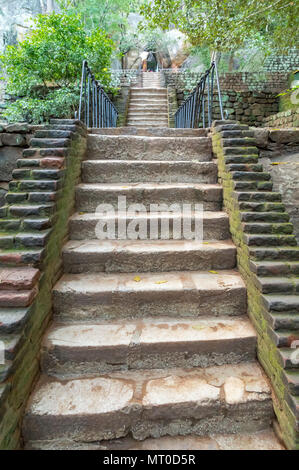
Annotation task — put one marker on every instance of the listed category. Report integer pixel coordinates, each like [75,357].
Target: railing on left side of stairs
[95,107]
[199,104]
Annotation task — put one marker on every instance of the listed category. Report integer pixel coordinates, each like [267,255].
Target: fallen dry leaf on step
[137,279]
[160,282]
[213,272]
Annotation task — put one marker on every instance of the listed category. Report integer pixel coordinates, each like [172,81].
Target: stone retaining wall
[33,225]
[248,107]
[288,118]
[186,80]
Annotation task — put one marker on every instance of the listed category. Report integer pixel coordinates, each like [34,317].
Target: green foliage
[225,25]
[45,68]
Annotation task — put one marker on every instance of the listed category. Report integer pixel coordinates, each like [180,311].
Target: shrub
[44,70]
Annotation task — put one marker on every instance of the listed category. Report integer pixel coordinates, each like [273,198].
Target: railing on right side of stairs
[199,104]
[95,107]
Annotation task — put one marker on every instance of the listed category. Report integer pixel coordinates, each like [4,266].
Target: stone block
[14,140]
[8,161]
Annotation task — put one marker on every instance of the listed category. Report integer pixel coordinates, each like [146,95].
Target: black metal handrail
[95,107]
[194,107]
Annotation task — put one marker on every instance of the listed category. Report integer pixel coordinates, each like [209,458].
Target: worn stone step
[101,295]
[45,152]
[49,143]
[145,123]
[28,210]
[291,378]
[12,320]
[136,171]
[261,206]
[280,253]
[236,133]
[282,320]
[215,224]
[97,348]
[34,185]
[238,142]
[145,102]
[224,399]
[261,217]
[112,147]
[268,228]
[241,159]
[22,257]
[28,173]
[261,440]
[147,255]
[54,134]
[148,91]
[89,196]
[288,358]
[231,127]
[151,132]
[22,239]
[281,303]
[249,150]
[269,240]
[252,185]
[241,167]
[257,196]
[251,175]
[28,224]
[35,197]
[273,268]
[283,285]
[139,108]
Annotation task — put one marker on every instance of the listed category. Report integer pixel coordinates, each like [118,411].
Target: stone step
[82,349]
[257,196]
[267,228]
[274,285]
[270,240]
[261,440]
[275,268]
[224,399]
[89,196]
[136,171]
[261,206]
[239,142]
[281,253]
[145,102]
[151,132]
[139,108]
[148,91]
[282,303]
[144,123]
[149,115]
[147,255]
[151,118]
[253,186]
[138,295]
[215,224]
[269,217]
[112,147]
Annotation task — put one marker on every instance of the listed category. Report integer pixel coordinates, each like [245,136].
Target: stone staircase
[148,106]
[150,338]
[151,79]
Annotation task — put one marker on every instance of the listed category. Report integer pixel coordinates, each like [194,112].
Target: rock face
[15,18]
